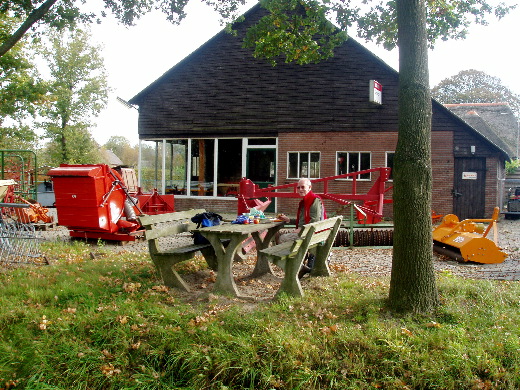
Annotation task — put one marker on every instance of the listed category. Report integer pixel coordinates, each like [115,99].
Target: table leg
[263,265]
[225,283]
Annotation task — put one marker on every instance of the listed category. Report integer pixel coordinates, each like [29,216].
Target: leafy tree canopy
[297,29]
[21,91]
[120,145]
[77,93]
[474,86]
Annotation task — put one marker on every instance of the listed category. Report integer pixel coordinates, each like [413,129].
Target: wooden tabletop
[237,228]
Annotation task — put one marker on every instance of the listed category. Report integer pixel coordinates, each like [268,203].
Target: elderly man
[310,210]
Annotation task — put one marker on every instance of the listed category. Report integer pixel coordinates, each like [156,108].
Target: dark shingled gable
[220,90]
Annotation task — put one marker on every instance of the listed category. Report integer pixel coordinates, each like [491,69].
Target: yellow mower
[466,240]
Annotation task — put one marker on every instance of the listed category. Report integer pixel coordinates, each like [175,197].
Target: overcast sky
[136,56]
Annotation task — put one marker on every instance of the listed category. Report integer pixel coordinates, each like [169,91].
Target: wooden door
[469,188]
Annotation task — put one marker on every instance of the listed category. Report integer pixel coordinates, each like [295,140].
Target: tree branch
[33,17]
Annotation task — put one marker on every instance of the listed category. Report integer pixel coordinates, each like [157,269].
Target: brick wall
[442,171]
[328,144]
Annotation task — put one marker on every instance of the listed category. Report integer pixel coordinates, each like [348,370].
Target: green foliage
[108,323]
[297,30]
[473,86]
[77,92]
[122,149]
[445,19]
[512,166]
[21,91]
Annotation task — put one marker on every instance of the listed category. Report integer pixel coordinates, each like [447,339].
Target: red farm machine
[99,202]
[365,208]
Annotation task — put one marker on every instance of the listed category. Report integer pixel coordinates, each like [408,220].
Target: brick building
[220,115]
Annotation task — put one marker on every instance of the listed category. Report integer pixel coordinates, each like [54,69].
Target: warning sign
[469,175]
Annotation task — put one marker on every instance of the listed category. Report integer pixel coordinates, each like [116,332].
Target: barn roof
[221,90]
[496,121]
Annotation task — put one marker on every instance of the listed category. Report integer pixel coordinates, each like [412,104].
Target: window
[201,180]
[303,164]
[390,164]
[353,162]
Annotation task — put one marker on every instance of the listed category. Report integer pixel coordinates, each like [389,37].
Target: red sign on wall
[376,92]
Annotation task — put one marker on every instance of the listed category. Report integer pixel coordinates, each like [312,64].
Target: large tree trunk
[412,285]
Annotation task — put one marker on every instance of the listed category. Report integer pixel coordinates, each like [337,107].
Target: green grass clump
[108,323]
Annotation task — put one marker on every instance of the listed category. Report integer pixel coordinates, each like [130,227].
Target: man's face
[303,187]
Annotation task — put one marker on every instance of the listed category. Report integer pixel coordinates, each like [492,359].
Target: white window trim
[348,163]
[386,161]
[300,152]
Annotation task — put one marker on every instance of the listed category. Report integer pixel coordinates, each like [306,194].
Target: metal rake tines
[18,241]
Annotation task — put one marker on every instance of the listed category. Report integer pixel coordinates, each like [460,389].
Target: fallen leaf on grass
[161,288]
[109,370]
[329,329]
[131,287]
[44,323]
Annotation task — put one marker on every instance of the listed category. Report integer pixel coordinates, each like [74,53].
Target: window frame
[391,177]
[298,163]
[347,164]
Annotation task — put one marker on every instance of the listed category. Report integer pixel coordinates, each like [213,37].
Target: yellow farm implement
[467,240]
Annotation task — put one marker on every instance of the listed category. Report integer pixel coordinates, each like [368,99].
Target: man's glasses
[298,187]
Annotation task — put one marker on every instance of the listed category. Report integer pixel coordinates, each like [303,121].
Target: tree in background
[81,148]
[77,92]
[474,86]
[121,147]
[21,91]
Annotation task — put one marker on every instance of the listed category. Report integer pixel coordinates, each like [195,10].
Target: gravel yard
[377,261]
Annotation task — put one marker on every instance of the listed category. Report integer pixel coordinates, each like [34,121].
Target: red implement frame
[369,206]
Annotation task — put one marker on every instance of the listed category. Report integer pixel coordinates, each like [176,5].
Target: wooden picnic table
[237,233]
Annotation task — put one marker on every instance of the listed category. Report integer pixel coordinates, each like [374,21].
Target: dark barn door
[469,188]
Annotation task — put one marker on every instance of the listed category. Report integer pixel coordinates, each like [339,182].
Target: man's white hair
[304,181]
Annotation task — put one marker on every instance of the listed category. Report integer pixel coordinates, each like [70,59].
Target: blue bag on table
[204,220]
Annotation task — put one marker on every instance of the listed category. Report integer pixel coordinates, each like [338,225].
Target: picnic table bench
[289,255]
[168,225]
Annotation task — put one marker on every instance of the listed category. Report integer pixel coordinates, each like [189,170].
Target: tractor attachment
[467,240]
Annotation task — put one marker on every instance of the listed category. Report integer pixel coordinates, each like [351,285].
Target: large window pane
[150,173]
[229,166]
[390,163]
[304,165]
[315,165]
[342,159]
[293,165]
[364,165]
[202,162]
[176,164]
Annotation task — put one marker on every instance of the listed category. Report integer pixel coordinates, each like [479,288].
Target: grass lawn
[108,323]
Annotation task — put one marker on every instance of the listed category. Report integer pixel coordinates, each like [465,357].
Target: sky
[138,55]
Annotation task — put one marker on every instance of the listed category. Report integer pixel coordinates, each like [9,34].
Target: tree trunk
[412,285]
